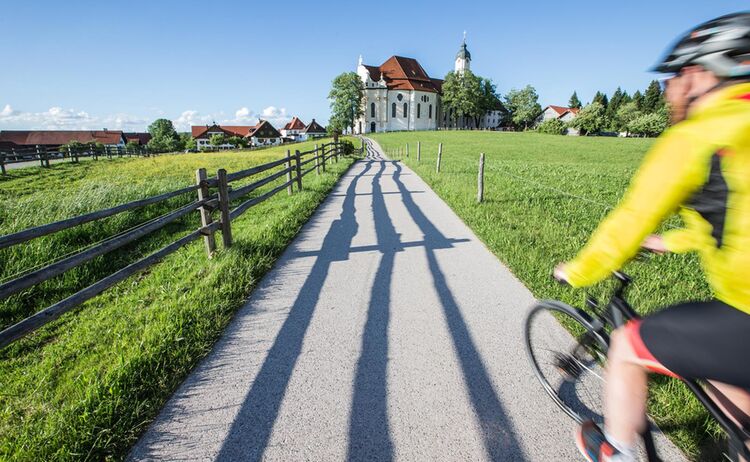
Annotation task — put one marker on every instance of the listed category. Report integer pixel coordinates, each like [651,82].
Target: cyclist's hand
[560,274]
[654,243]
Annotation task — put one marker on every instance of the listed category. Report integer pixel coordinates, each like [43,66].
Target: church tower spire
[463,58]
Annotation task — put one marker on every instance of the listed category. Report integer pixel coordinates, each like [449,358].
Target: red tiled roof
[230,130]
[561,109]
[402,73]
[59,137]
[295,124]
[140,138]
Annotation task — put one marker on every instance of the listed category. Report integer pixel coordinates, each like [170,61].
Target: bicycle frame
[616,314]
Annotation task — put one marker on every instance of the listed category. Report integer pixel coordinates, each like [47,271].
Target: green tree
[489,100]
[590,120]
[574,102]
[132,146]
[602,99]
[653,100]
[523,106]
[552,127]
[237,141]
[638,99]
[346,97]
[164,137]
[463,95]
[191,144]
[626,114]
[651,124]
[217,140]
[614,104]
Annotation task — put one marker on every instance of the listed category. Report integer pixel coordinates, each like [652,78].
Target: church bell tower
[463,58]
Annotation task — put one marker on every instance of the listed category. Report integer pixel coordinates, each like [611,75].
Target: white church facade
[399,95]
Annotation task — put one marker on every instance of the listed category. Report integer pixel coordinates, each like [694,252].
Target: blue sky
[86,64]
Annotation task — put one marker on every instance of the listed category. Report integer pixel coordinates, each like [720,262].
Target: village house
[292,131]
[139,138]
[52,139]
[314,130]
[262,134]
[561,113]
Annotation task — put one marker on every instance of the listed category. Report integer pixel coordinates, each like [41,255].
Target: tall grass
[544,195]
[85,386]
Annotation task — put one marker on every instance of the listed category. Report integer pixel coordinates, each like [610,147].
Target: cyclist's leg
[626,391]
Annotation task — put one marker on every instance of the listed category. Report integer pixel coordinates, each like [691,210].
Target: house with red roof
[262,134]
[16,139]
[561,113]
[292,130]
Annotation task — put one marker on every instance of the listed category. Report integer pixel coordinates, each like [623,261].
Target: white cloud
[7,111]
[70,119]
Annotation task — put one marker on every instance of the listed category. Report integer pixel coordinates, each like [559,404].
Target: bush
[347,146]
[650,124]
[591,119]
[552,127]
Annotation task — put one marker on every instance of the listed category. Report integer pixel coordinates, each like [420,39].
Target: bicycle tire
[587,341]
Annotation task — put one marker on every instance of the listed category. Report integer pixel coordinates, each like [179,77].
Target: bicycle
[572,375]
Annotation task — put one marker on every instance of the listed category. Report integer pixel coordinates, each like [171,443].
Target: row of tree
[640,114]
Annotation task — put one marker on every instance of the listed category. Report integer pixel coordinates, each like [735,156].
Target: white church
[399,95]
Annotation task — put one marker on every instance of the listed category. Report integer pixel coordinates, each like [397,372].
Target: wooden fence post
[439,157]
[317,158]
[297,160]
[407,150]
[208,239]
[288,165]
[2,163]
[480,180]
[39,154]
[226,223]
[419,152]
[323,161]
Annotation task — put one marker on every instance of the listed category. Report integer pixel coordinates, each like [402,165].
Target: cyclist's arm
[670,172]
[691,237]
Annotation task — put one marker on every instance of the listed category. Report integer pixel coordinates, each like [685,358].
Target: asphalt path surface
[386,331]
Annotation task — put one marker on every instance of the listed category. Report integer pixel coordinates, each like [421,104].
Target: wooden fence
[398,152]
[213,194]
[44,155]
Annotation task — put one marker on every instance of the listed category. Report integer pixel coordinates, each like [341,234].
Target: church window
[419,110]
[393,110]
[400,96]
[406,108]
[430,112]
[372,109]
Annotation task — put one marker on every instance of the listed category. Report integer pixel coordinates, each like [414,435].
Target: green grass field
[86,386]
[544,195]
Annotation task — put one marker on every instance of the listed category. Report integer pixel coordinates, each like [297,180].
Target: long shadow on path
[250,432]
[369,433]
[500,440]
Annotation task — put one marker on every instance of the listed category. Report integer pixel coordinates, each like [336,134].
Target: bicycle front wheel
[568,354]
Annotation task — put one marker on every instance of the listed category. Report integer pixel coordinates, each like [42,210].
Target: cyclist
[702,166]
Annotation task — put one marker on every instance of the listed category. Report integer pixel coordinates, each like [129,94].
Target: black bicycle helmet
[721,45]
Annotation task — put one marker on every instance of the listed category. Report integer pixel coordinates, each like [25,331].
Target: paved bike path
[386,331]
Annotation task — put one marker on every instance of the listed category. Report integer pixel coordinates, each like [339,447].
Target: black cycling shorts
[696,340]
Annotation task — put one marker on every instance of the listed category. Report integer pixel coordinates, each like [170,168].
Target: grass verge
[544,195]
[86,386]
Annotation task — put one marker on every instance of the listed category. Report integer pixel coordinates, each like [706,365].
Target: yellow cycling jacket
[702,167]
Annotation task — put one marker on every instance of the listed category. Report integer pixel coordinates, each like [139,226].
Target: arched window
[406,108]
[393,110]
[372,109]
[430,112]
[419,110]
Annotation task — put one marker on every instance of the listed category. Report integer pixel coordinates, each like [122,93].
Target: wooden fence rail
[206,203]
